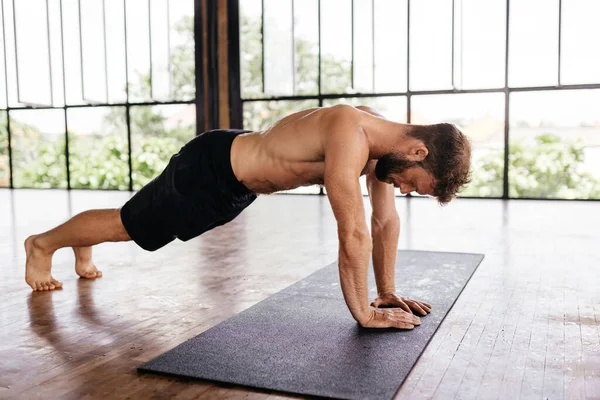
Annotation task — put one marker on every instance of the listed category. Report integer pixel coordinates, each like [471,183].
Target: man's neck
[386,137]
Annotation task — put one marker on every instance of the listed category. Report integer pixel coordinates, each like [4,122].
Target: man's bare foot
[84,266]
[87,269]
[38,267]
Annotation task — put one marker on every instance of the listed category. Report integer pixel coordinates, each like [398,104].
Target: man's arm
[346,153]
[345,150]
[385,231]
[385,226]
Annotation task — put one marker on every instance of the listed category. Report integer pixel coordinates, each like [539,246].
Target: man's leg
[82,231]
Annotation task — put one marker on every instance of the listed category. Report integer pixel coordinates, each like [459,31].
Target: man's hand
[406,304]
[390,318]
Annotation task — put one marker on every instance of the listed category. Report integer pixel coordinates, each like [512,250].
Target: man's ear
[418,152]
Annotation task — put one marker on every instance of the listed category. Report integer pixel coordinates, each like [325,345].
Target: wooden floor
[526,326]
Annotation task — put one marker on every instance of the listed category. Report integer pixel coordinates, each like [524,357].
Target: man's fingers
[402,325]
[424,306]
[406,317]
[404,306]
[418,308]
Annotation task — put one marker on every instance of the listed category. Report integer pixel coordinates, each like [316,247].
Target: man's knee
[120,233]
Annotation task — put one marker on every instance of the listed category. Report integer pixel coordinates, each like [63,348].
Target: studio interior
[290,199]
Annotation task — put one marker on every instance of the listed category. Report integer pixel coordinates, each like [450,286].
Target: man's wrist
[364,316]
[386,291]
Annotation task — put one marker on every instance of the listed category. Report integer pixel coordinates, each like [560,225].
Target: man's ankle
[40,244]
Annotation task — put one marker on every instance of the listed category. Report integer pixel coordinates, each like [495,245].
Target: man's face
[404,174]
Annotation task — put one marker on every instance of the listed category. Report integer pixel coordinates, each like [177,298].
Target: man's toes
[57,284]
[98,274]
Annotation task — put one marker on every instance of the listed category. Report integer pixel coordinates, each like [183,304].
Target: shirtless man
[219,173]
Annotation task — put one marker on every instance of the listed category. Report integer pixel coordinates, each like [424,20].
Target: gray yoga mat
[303,339]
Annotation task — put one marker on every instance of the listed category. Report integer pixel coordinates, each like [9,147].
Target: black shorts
[196,192]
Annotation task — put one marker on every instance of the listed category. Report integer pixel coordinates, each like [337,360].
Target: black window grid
[506,89]
[92,103]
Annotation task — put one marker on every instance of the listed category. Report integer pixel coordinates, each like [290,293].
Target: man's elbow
[355,240]
[390,223]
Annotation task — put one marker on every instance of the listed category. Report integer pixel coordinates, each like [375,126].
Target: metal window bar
[453,49]
[62,51]
[49,52]
[150,47]
[505,183]
[127,109]
[169,67]
[408,92]
[352,84]
[105,52]
[10,159]
[293,51]
[262,43]
[373,46]
[559,39]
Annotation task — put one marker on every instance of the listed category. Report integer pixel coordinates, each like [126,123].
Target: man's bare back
[219,173]
[291,153]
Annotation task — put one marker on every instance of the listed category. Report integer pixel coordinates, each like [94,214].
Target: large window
[526,93]
[94,94]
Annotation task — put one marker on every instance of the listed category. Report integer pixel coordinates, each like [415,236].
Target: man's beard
[392,164]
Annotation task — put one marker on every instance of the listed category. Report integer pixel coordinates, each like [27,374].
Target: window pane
[70,21]
[38,148]
[262,114]
[98,155]
[4,161]
[390,45]
[580,58]
[279,65]
[93,58]
[115,50]
[306,12]
[363,46]
[533,46]
[431,45]
[250,48]
[138,50]
[56,51]
[181,15]
[480,44]
[159,35]
[336,46]
[481,117]
[555,144]
[31,42]
[157,133]
[2,70]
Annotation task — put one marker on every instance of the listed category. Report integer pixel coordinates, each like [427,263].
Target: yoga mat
[303,339]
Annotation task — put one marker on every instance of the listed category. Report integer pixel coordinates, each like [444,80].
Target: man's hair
[448,158]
